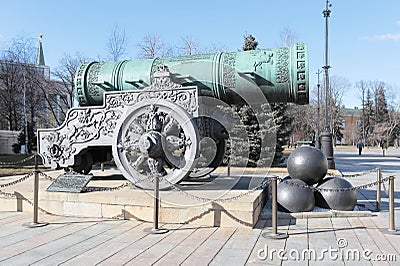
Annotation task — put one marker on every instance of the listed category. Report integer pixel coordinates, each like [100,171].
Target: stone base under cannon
[243,208]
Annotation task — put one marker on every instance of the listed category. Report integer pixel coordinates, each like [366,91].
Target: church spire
[40,54]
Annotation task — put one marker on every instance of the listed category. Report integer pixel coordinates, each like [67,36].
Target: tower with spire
[40,63]
[40,54]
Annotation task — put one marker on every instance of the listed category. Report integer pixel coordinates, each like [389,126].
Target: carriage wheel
[157,138]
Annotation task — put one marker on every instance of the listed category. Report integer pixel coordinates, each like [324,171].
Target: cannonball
[308,164]
[293,198]
[336,200]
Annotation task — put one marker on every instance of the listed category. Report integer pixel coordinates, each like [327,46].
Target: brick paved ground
[335,241]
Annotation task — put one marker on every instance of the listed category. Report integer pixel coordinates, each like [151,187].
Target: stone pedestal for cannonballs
[176,206]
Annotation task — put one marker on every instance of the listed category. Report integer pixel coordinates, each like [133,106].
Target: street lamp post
[326,136]
[25,118]
[318,140]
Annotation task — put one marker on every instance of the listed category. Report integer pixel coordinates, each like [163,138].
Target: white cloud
[385,37]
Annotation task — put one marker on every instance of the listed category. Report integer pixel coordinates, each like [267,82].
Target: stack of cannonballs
[308,166]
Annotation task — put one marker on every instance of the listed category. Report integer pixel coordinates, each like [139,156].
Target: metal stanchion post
[35,222]
[274,234]
[155,229]
[392,229]
[102,167]
[378,189]
[229,168]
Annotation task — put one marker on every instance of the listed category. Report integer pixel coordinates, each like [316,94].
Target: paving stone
[82,241]
[203,252]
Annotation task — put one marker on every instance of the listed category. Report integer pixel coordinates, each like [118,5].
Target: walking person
[360,146]
[383,146]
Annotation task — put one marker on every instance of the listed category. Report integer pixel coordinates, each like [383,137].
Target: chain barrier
[366,173]
[385,189]
[13,183]
[22,179]
[174,187]
[317,189]
[266,181]
[19,162]
[7,194]
[263,185]
[360,174]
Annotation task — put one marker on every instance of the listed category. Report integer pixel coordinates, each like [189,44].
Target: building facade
[351,125]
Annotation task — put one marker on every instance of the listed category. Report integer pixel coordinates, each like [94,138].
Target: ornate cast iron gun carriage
[146,114]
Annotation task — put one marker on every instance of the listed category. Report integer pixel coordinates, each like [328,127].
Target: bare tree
[385,131]
[215,48]
[391,96]
[21,50]
[288,37]
[338,86]
[60,93]
[375,87]
[10,96]
[14,69]
[304,120]
[117,44]
[65,73]
[189,46]
[152,46]
[296,123]
[362,88]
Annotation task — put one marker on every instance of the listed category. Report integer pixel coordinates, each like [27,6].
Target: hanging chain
[22,179]
[369,185]
[385,189]
[360,174]
[13,183]
[264,184]
[19,162]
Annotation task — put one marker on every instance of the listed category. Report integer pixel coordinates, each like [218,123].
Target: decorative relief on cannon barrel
[161,88]
[282,65]
[93,76]
[229,63]
[301,65]
[79,84]
[162,80]
[154,67]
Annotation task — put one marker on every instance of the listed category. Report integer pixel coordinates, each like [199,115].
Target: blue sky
[364,35]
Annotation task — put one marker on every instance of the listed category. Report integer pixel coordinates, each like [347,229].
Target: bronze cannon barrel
[280,73]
